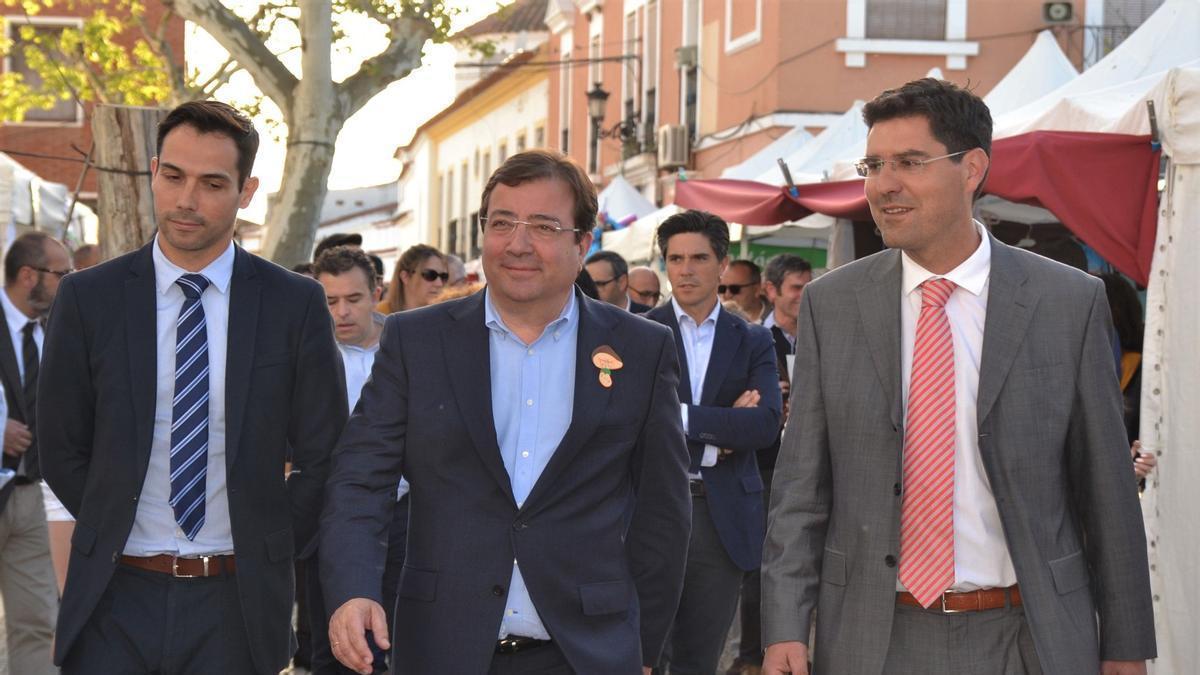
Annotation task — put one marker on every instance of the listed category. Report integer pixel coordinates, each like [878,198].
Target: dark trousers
[710,594]
[148,623]
[323,661]
[546,660]
[750,649]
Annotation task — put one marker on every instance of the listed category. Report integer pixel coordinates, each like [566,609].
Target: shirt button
[530,352]
[497,590]
[896,489]
[525,454]
[529,402]
[889,560]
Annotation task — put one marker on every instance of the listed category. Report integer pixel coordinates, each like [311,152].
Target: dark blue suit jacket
[601,539]
[283,387]
[743,357]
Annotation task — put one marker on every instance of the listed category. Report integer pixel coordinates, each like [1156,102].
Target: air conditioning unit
[673,146]
[1057,12]
[685,56]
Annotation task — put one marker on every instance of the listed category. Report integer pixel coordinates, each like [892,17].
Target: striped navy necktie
[189,410]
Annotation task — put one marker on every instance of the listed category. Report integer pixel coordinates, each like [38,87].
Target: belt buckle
[947,610]
[175,568]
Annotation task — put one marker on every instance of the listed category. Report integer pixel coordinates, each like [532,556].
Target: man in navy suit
[174,382]
[540,433]
[729,389]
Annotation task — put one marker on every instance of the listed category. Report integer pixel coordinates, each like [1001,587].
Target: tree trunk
[314,122]
[125,139]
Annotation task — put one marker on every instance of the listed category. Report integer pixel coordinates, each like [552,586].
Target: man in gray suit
[953,492]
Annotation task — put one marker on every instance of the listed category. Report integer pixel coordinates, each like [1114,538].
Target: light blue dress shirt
[697,348]
[154,528]
[533,392]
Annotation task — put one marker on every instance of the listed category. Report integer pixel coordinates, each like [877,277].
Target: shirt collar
[680,315]
[970,275]
[218,272]
[566,318]
[15,317]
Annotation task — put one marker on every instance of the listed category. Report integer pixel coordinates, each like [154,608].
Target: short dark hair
[342,259]
[778,267]
[620,268]
[338,239]
[754,269]
[377,263]
[958,118]
[215,117]
[539,164]
[699,222]
[304,268]
[27,250]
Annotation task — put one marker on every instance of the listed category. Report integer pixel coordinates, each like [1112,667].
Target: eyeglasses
[653,295]
[58,273]
[430,275]
[602,284]
[734,288]
[870,167]
[540,229]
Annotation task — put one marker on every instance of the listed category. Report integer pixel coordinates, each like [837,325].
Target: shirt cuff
[683,407]
[710,456]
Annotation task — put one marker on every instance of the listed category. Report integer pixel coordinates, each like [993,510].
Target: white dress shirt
[981,558]
[17,320]
[154,528]
[697,347]
[358,362]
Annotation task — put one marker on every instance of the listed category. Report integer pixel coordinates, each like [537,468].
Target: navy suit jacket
[96,399]
[602,538]
[743,357]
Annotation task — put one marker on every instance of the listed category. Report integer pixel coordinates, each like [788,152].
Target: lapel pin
[607,361]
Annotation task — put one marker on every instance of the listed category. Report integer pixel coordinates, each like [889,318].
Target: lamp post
[597,98]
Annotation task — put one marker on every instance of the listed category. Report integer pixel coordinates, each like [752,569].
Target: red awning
[1103,187]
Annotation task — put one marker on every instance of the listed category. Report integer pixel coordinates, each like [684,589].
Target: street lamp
[597,99]
[625,130]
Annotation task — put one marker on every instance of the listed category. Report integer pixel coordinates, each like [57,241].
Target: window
[650,73]
[743,24]
[463,210]
[473,250]
[521,142]
[502,154]
[486,164]
[690,75]
[539,137]
[62,111]
[906,19]
[564,95]
[631,78]
[922,27]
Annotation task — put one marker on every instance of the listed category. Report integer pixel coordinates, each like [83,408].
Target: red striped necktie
[927,509]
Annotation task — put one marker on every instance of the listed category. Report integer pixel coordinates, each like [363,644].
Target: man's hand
[1143,462]
[646,670]
[347,633]
[1122,668]
[748,399]
[786,657]
[16,438]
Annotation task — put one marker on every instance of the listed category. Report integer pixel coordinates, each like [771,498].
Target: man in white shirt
[958,433]
[348,277]
[33,266]
[730,404]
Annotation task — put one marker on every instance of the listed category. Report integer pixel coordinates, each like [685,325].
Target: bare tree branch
[399,58]
[240,40]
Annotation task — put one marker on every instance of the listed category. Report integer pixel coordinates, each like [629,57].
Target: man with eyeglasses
[33,266]
[742,284]
[644,286]
[953,490]
[610,273]
[540,433]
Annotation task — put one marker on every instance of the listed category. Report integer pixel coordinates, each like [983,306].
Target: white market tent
[810,162]
[636,242]
[1043,69]
[764,160]
[620,200]
[28,202]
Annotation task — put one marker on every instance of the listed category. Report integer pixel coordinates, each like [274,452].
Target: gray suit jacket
[1053,448]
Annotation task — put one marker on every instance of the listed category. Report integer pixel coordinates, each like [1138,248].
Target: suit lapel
[468,362]
[590,397]
[1010,305]
[727,338]
[879,310]
[245,291]
[141,344]
[10,372]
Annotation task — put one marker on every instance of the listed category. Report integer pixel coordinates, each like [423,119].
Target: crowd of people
[567,470]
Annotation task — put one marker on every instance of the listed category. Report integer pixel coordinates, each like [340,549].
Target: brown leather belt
[968,601]
[697,488]
[183,568]
[516,643]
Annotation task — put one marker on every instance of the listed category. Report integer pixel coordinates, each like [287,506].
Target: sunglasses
[431,275]
[733,288]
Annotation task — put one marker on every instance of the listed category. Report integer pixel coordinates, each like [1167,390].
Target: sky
[365,148]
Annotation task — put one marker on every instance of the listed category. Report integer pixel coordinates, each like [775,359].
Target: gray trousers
[991,642]
[27,582]
[710,595]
